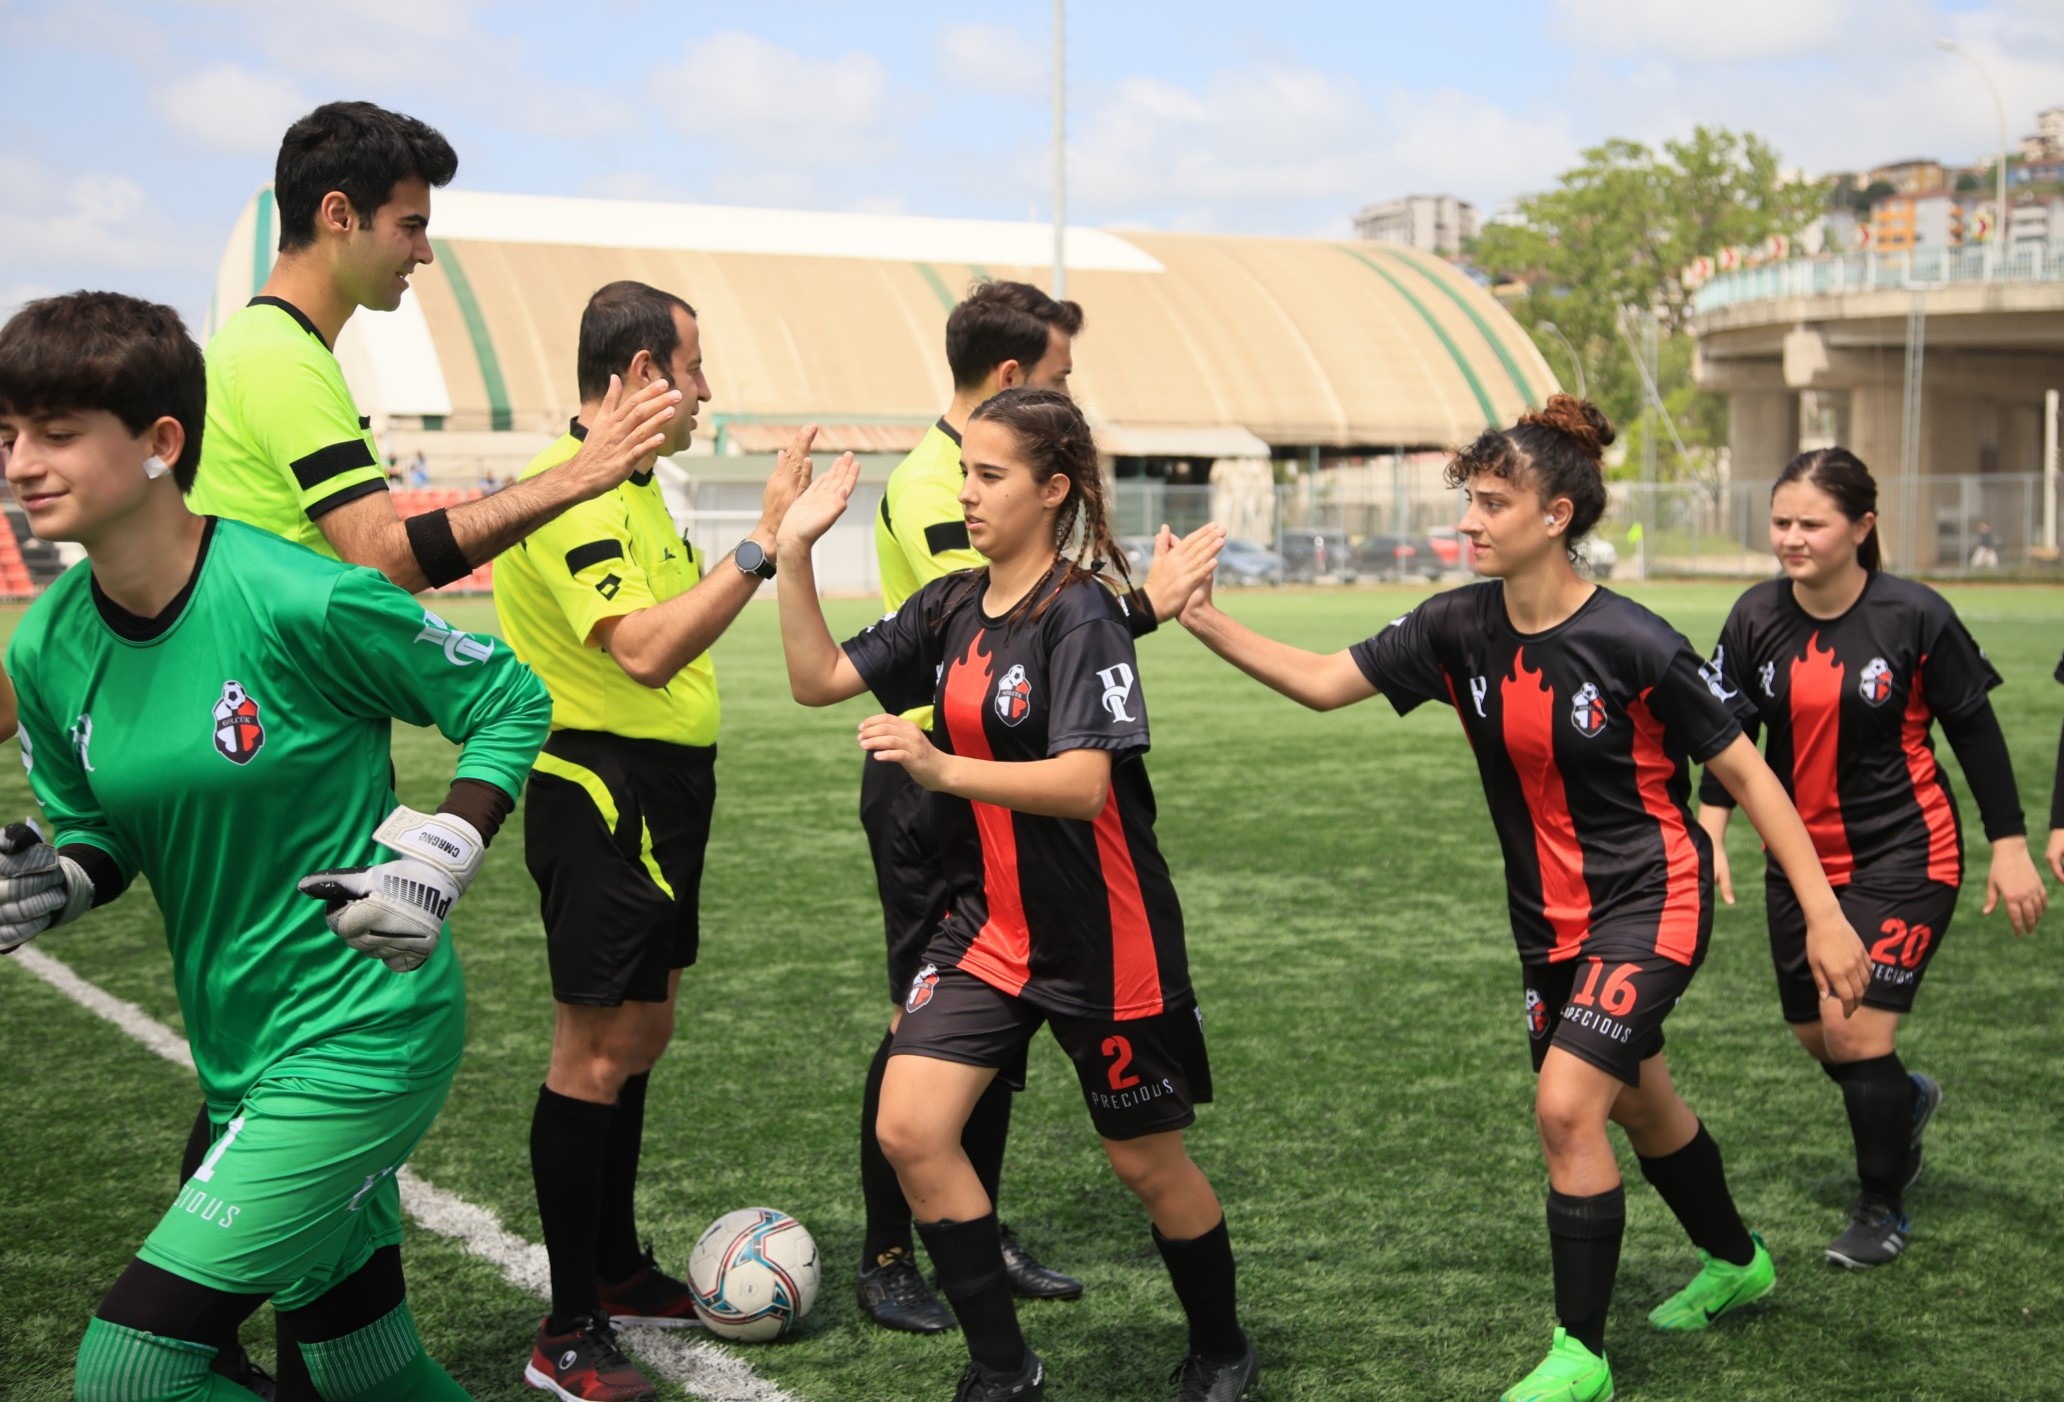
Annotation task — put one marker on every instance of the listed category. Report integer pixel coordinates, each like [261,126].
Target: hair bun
[1578,419]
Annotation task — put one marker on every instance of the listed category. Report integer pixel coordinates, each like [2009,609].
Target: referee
[1004,335]
[285,448]
[609,604]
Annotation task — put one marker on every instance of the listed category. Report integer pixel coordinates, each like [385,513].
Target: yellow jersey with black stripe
[921,531]
[285,442]
[603,558]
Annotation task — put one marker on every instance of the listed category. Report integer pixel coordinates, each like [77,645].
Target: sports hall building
[1232,362]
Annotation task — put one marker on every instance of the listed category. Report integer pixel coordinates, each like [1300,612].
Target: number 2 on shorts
[1119,1049]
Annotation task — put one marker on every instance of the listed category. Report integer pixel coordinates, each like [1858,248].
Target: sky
[132,133]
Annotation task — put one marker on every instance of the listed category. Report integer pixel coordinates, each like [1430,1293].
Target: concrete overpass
[1933,367]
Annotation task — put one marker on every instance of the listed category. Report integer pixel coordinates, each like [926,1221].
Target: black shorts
[1604,1008]
[613,833]
[1901,923]
[896,812]
[1142,1076]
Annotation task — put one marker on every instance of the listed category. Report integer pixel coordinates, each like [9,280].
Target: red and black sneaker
[584,1364]
[650,1296]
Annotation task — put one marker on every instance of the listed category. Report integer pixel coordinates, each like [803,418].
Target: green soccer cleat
[1570,1373]
[1718,1288]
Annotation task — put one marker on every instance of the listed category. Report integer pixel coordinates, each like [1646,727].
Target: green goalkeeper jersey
[236,743]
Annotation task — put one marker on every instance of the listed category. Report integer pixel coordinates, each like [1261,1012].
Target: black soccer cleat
[1200,1378]
[650,1296]
[1876,1235]
[894,1295]
[1028,1279]
[236,1365]
[1927,1100]
[980,1384]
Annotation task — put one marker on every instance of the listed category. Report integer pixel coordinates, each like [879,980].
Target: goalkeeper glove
[39,887]
[394,911]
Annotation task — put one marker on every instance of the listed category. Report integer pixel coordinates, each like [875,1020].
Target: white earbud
[155,467]
[1550,521]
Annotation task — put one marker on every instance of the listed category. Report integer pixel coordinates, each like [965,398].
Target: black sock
[1584,1240]
[617,1255]
[1693,1183]
[888,1214]
[984,1135]
[568,1175]
[1879,1097]
[1201,1269]
[968,1257]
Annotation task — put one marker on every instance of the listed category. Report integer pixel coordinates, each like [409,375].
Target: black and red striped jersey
[1848,703]
[1584,735]
[1075,917]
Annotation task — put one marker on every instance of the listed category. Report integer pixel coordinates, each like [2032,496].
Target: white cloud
[227,107]
[995,59]
[742,95]
[57,221]
[1742,29]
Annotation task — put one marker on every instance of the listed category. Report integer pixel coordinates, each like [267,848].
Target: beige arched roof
[840,318]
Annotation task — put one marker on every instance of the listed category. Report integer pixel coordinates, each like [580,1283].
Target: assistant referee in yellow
[612,608]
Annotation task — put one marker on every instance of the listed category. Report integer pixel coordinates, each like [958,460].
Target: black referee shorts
[896,812]
[613,833]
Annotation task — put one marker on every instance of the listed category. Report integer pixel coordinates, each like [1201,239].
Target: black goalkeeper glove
[39,887]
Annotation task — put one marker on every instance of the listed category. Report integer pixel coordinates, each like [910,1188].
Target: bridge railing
[1875,272]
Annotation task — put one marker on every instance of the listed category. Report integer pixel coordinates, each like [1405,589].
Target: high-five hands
[819,504]
[1180,566]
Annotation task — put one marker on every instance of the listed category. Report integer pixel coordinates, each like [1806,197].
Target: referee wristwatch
[752,559]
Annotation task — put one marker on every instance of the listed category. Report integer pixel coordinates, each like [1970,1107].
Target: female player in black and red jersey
[1061,910]
[1585,711]
[1847,667]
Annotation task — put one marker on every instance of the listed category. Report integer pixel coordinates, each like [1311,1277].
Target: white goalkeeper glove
[39,887]
[394,911]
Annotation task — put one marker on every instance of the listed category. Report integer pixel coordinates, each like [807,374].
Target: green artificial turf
[1372,1139]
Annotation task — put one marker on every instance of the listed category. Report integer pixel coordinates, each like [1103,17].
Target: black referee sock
[888,1213]
[968,1257]
[617,1256]
[1201,1269]
[1584,1240]
[1879,1097]
[567,1170]
[983,1137]
[1693,1183]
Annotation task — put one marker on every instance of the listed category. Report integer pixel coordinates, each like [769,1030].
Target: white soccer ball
[753,1274]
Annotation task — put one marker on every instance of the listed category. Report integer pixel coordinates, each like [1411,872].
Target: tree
[1611,239]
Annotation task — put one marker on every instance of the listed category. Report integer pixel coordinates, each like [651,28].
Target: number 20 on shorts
[1901,944]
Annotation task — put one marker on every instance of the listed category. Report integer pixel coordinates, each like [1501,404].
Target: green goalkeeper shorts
[297,1191]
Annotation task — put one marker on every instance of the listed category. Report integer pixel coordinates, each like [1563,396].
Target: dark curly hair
[1558,450]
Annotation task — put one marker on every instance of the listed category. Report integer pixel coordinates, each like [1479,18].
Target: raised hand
[628,430]
[821,503]
[1180,566]
[791,474]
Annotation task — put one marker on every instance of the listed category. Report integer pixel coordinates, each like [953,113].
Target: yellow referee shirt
[921,531]
[284,441]
[604,558]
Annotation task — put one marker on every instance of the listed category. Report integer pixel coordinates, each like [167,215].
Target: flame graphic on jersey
[1001,954]
[1529,710]
[1816,702]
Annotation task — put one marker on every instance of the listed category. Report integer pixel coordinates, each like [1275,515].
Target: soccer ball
[753,1274]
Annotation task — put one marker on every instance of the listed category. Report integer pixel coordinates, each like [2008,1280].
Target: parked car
[1244,562]
[1310,554]
[1139,553]
[1396,557]
[1596,556]
[1447,542]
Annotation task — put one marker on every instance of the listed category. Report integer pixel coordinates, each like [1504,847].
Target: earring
[155,467]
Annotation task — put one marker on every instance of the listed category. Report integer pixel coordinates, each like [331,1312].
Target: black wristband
[1140,615]
[100,869]
[479,803]
[436,549]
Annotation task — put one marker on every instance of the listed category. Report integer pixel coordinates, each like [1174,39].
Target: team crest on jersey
[1587,712]
[238,733]
[1013,696]
[1536,1014]
[921,988]
[1876,682]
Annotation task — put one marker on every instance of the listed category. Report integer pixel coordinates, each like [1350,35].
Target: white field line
[702,1368]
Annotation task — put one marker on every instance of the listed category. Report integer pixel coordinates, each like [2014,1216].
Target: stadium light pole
[1060,154]
[1999,108]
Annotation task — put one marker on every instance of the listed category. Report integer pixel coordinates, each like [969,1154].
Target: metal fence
[1875,272]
